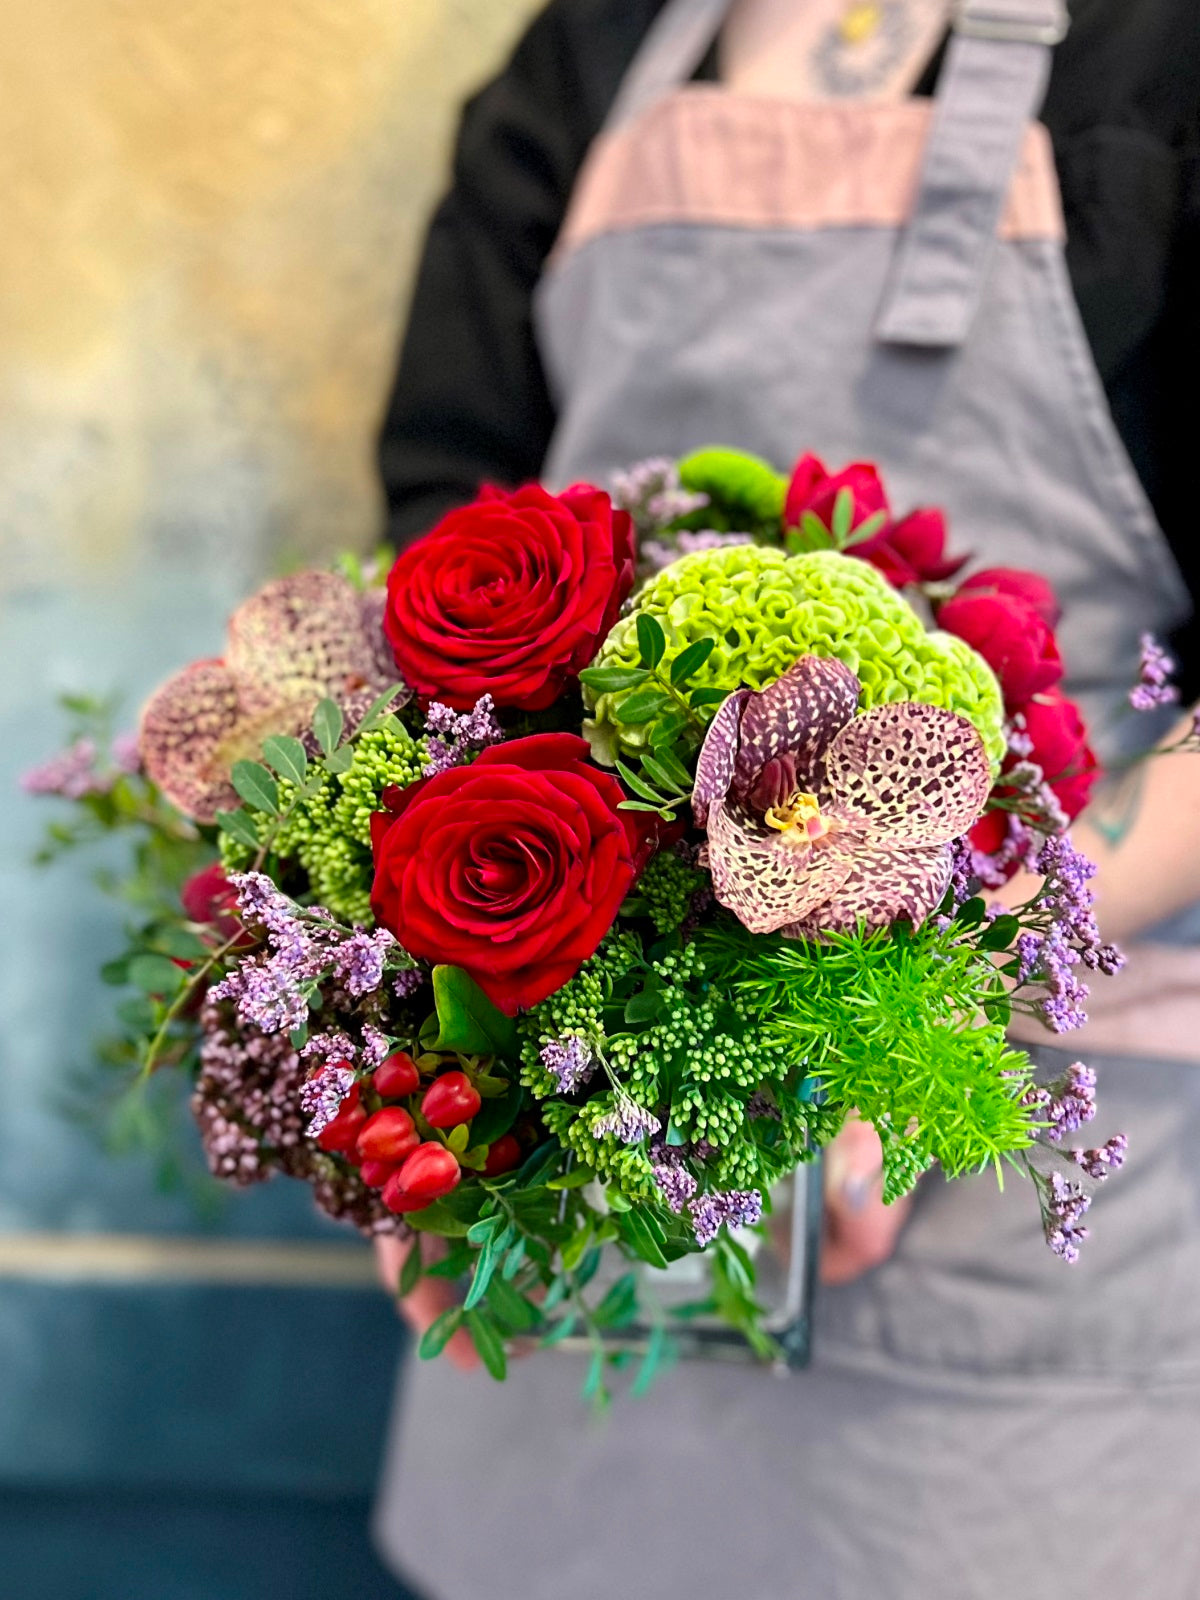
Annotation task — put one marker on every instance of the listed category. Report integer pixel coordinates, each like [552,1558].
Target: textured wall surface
[210,208]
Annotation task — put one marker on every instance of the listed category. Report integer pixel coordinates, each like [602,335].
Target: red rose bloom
[208,897]
[1030,587]
[509,596]
[815,489]
[912,550]
[1060,747]
[1012,638]
[513,868]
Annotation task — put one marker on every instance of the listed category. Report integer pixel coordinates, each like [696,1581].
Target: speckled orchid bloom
[297,641]
[819,819]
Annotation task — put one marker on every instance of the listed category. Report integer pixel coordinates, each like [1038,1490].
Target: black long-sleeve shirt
[470,399]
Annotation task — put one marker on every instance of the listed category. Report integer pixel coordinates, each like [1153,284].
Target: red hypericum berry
[396,1077]
[389,1135]
[502,1157]
[376,1173]
[398,1199]
[340,1136]
[427,1174]
[449,1100]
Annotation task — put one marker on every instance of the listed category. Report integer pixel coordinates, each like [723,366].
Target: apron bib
[879,281]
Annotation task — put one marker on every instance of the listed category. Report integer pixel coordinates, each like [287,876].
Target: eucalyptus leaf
[155,974]
[652,641]
[287,756]
[239,825]
[256,786]
[691,660]
[489,1344]
[612,680]
[378,708]
[642,704]
[638,1231]
[327,725]
[340,761]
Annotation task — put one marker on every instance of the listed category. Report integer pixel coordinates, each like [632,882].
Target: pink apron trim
[705,155]
[1150,1009]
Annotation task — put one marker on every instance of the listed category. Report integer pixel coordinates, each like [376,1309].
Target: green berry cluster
[666,889]
[328,832]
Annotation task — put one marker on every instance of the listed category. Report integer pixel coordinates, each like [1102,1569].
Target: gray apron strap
[674,46]
[992,85]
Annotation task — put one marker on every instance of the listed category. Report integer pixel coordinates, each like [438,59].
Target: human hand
[858,1231]
[431,1296]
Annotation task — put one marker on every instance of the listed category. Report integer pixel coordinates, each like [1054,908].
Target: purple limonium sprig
[570,1059]
[675,1181]
[734,1208]
[1155,671]
[994,871]
[628,1122]
[375,1047]
[658,553]
[359,961]
[1066,1105]
[1110,1157]
[1063,1205]
[407,982]
[653,495]
[453,737]
[1019,742]
[71,774]
[321,1096]
[333,1045]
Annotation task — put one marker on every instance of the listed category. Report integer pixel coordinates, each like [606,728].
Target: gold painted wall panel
[210,209]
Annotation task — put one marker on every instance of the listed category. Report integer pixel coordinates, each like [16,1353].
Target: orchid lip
[800,820]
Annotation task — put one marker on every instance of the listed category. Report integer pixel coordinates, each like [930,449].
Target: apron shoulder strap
[992,85]
[675,45]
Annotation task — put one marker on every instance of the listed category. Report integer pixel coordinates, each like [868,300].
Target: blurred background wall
[208,214]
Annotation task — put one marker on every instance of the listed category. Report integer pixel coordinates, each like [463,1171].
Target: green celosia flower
[766,610]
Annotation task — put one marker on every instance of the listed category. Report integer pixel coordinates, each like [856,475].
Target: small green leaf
[577,1178]
[511,1307]
[489,1344]
[667,727]
[340,761]
[971,912]
[639,785]
[643,1236]
[576,1245]
[327,724]
[619,1306]
[644,1007]
[657,772]
[690,661]
[652,641]
[865,530]
[656,1349]
[998,935]
[640,805]
[410,1272]
[287,756]
[496,1116]
[611,680]
[707,697]
[676,770]
[467,1020]
[256,786]
[642,704]
[439,1333]
[480,1232]
[513,1260]
[155,974]
[115,972]
[239,825]
[378,708]
[561,1330]
[482,1276]
[298,1037]
[843,516]
[593,1384]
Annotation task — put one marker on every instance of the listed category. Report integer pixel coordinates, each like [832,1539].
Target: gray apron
[980,1420]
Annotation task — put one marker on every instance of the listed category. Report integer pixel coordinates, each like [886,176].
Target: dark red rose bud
[376,1173]
[1019,585]
[449,1100]
[389,1135]
[1058,734]
[912,550]
[209,898]
[815,489]
[503,1156]
[340,1136]
[1010,636]
[396,1077]
[509,596]
[427,1174]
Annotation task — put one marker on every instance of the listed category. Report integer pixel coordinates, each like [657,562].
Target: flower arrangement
[549,901]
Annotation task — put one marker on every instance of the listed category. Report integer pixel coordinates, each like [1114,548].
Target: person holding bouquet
[839,226]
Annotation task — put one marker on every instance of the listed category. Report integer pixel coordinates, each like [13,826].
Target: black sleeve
[470,400]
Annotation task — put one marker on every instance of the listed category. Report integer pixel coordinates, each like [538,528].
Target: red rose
[509,596]
[912,550]
[815,489]
[1012,638]
[513,867]
[1058,735]
[1020,585]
